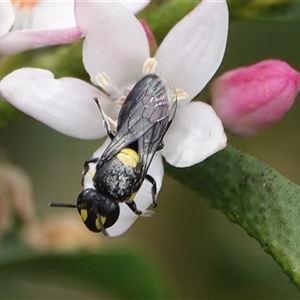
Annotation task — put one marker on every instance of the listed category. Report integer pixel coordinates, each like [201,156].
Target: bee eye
[87,198]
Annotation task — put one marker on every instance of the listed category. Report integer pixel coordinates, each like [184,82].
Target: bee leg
[86,166]
[153,189]
[105,121]
[160,146]
[132,206]
[110,134]
[108,131]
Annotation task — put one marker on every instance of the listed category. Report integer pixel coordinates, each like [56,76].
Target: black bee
[144,118]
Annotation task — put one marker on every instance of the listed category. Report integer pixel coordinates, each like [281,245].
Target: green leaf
[62,61]
[8,113]
[161,16]
[258,10]
[125,273]
[255,196]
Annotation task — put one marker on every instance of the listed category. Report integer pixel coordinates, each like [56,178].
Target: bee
[143,120]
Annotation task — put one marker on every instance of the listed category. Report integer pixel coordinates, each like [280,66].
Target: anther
[181,94]
[149,66]
[105,83]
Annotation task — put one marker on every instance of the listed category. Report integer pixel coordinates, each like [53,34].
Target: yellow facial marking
[128,157]
[97,222]
[83,214]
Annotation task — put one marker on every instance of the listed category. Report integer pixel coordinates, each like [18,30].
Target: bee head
[97,211]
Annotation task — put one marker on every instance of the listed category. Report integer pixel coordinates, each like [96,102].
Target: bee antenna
[99,107]
[69,205]
[97,103]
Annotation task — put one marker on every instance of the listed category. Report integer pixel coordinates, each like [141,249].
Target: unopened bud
[249,99]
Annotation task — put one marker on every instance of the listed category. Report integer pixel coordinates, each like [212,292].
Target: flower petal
[195,134]
[64,104]
[115,41]
[193,50]
[135,6]
[21,40]
[143,198]
[49,15]
[7,17]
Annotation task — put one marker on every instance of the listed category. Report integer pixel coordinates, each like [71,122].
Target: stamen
[181,94]
[121,100]
[112,124]
[103,80]
[172,95]
[149,66]
[105,83]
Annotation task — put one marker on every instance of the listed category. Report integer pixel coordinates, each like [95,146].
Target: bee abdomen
[128,157]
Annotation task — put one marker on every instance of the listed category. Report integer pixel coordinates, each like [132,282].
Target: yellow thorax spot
[97,222]
[83,214]
[128,157]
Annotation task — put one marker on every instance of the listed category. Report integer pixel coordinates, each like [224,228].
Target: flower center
[118,95]
[23,13]
[21,4]
[107,85]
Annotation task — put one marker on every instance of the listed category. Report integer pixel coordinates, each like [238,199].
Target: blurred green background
[195,248]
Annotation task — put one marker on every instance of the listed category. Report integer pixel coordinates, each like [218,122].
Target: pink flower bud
[150,37]
[249,99]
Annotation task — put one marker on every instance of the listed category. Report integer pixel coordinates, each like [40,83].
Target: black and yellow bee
[144,118]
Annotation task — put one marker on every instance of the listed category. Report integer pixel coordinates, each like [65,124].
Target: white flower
[32,24]
[37,23]
[117,45]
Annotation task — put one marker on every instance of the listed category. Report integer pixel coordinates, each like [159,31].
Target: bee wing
[144,117]
[152,139]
